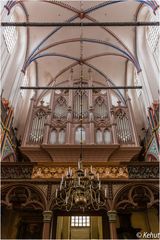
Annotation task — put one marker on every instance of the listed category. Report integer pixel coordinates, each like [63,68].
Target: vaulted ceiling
[105,50]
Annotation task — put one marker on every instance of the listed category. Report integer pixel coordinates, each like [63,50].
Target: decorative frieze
[50,171]
[57,172]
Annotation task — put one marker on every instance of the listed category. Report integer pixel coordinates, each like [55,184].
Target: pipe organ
[36,135]
[123,128]
[99,116]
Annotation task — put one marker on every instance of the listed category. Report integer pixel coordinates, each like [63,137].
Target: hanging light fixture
[81,189]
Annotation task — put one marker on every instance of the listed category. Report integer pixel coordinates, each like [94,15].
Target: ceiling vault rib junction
[125,54]
[150,3]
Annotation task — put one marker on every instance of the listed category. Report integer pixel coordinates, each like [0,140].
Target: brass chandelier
[81,189]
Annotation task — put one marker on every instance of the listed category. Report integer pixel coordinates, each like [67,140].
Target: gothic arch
[89,40]
[89,65]
[27,194]
[130,198]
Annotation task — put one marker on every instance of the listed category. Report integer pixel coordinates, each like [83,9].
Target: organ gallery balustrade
[138,170]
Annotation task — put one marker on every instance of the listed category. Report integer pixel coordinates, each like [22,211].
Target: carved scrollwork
[103,123]
[22,197]
[146,172]
[59,123]
[137,197]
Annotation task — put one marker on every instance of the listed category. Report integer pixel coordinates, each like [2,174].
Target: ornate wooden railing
[136,170]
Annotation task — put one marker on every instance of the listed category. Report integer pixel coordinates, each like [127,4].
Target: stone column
[112,216]
[47,216]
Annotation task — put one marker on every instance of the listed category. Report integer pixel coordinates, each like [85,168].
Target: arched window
[25,83]
[8,42]
[61,137]
[153,37]
[114,99]
[46,99]
[99,138]
[107,137]
[137,82]
[53,137]
[10,35]
[80,135]
[60,108]
[100,108]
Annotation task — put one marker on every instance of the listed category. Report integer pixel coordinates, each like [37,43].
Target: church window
[8,41]
[99,138]
[24,84]
[80,221]
[153,37]
[10,35]
[61,136]
[107,137]
[46,99]
[137,82]
[53,137]
[80,135]
[114,100]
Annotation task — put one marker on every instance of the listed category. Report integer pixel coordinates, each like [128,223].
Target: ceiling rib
[97,41]
[86,11]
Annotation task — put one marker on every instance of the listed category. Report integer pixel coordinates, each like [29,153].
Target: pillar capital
[112,215]
[47,216]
